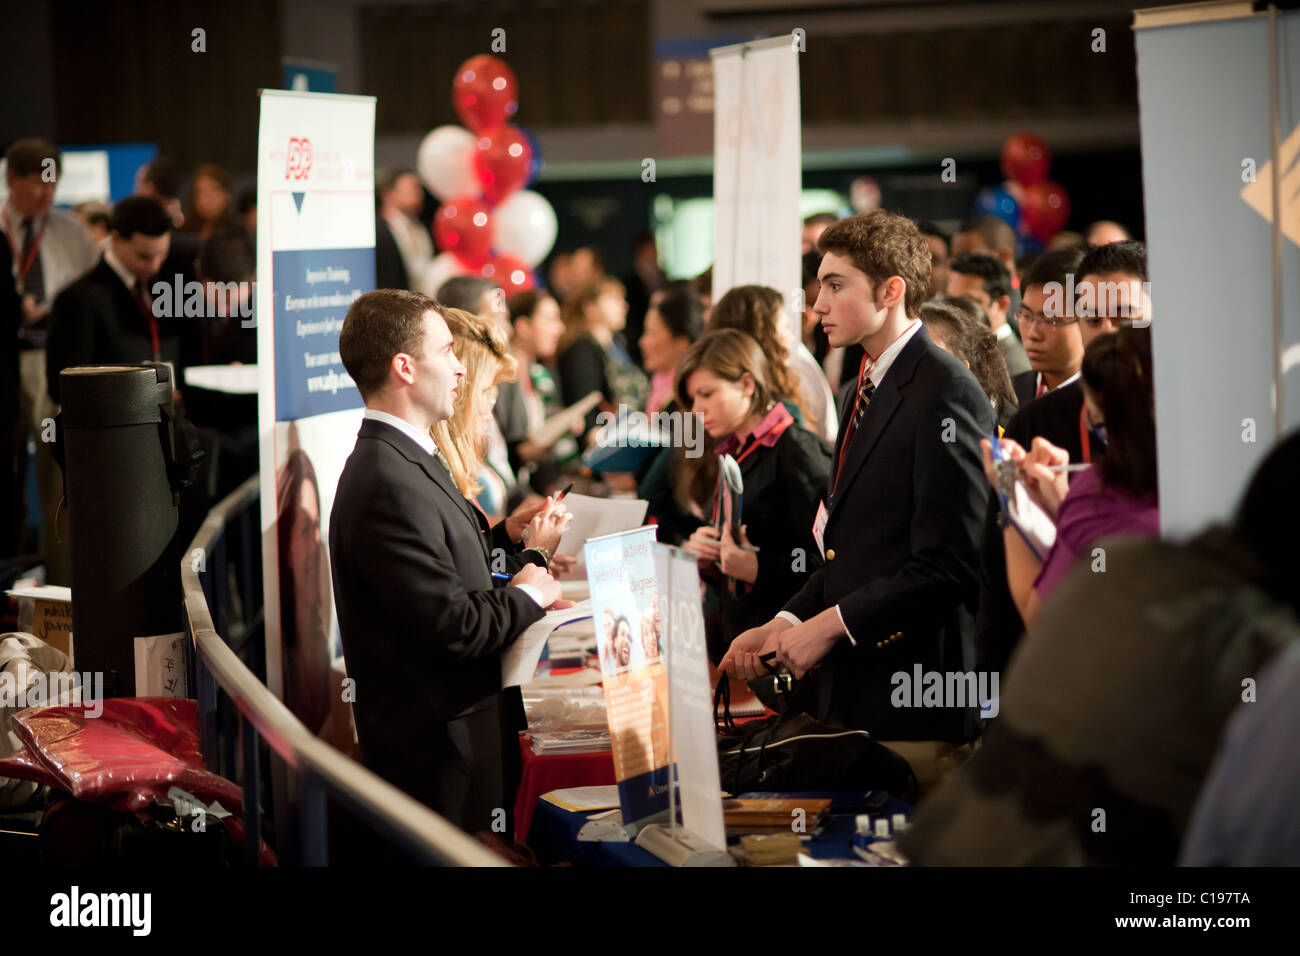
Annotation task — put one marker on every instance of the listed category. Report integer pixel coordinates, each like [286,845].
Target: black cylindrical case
[122,515]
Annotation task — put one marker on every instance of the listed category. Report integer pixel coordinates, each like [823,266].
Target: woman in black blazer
[725,380]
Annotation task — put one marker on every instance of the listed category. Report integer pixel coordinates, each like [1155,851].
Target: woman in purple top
[1117,495]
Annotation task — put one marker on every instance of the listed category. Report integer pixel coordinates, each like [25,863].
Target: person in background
[49,250]
[814,339]
[672,324]
[724,379]
[401,199]
[938,243]
[1117,495]
[210,208]
[559,276]
[586,265]
[959,334]
[521,409]
[759,312]
[1105,231]
[12,515]
[813,227]
[1120,699]
[160,179]
[94,217]
[702,286]
[592,359]
[988,236]
[987,281]
[1066,239]
[1110,293]
[1048,327]
[645,279]
[246,210]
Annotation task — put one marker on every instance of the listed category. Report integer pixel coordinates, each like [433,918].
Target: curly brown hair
[883,245]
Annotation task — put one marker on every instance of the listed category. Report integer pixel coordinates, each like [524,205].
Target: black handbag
[793,751]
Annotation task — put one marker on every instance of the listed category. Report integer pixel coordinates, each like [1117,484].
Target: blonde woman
[466,442]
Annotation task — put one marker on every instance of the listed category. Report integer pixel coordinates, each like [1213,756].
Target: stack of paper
[571,742]
[519,662]
[772,816]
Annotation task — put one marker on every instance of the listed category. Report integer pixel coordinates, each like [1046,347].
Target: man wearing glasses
[1112,290]
[1049,328]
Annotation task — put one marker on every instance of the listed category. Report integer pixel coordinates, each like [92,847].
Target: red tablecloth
[555,772]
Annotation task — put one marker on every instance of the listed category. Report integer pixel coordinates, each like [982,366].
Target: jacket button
[830,554]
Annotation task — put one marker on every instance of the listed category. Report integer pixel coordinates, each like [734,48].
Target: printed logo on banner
[313,289]
[298,158]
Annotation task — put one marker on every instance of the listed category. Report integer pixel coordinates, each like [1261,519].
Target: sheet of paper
[162,666]
[1034,524]
[519,662]
[584,799]
[594,517]
[232,379]
[562,422]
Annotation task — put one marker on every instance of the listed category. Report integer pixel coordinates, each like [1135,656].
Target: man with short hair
[401,199]
[1105,231]
[423,627]
[813,227]
[987,281]
[1048,326]
[902,520]
[938,244]
[988,236]
[108,316]
[49,250]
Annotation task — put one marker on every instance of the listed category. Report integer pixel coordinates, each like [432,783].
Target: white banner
[757,175]
[315,256]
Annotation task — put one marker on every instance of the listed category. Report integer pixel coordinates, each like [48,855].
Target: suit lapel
[428,464]
[884,403]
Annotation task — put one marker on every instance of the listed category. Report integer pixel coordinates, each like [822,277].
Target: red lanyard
[26,266]
[1084,442]
[138,295]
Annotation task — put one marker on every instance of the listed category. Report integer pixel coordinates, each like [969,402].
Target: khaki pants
[931,760]
[35,409]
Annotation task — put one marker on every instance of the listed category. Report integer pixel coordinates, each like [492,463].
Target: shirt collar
[123,273]
[1003,331]
[423,439]
[881,365]
[767,433]
[1038,382]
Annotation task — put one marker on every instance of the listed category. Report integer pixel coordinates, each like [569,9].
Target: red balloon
[1025,159]
[463,227]
[503,162]
[1045,210]
[484,92]
[509,273]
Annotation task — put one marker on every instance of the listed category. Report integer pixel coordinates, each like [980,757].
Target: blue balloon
[536,166]
[996,201]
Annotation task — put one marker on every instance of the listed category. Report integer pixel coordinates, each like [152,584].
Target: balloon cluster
[1035,206]
[488,225]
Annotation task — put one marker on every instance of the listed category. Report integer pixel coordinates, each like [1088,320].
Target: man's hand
[741,660]
[547,526]
[1049,487]
[519,518]
[546,586]
[737,560]
[801,647]
[32,312]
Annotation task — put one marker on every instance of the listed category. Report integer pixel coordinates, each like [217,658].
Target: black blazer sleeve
[409,571]
[787,549]
[72,333]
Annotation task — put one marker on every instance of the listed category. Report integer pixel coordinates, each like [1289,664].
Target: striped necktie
[866,388]
[34,280]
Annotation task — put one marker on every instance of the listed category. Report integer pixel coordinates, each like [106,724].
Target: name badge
[819,528]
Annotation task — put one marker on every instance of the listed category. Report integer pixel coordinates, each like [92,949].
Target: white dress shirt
[66,251]
[879,368]
[425,441]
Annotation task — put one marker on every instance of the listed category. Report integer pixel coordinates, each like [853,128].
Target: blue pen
[499,576]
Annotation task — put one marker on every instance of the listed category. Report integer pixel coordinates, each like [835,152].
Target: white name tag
[819,528]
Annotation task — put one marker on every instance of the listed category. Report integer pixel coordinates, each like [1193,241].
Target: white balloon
[442,268]
[525,227]
[445,162]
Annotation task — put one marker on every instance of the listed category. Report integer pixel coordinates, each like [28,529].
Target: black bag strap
[722,697]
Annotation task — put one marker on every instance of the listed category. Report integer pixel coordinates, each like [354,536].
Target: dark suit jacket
[95,321]
[422,626]
[904,525]
[1054,416]
[390,269]
[1013,353]
[1025,385]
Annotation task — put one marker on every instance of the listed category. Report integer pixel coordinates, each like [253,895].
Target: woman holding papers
[1116,495]
[465,441]
[725,380]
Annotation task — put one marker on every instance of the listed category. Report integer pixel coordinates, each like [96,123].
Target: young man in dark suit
[906,498]
[423,627]
[108,316]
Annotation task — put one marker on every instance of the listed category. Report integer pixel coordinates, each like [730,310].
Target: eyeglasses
[1027,318]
